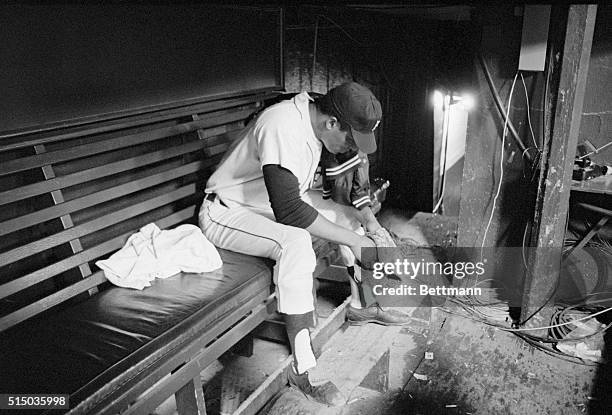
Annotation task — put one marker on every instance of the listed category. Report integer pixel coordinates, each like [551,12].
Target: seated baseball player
[346,180]
[258,203]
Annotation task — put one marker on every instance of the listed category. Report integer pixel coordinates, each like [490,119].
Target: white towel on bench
[154,253]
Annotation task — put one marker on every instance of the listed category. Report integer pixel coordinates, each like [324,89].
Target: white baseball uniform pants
[257,233]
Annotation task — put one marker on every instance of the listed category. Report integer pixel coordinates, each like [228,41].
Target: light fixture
[437,99]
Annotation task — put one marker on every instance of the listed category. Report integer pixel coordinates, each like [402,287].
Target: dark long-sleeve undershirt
[284,193]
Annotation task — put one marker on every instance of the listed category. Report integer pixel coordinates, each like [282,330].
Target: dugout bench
[70,196]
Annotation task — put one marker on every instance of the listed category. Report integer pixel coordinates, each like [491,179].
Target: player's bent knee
[297,245]
[296,236]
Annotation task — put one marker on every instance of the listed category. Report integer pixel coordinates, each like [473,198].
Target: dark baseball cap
[357,106]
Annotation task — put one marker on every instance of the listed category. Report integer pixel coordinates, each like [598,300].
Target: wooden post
[190,398]
[557,161]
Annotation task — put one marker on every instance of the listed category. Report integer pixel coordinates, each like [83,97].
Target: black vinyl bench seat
[115,336]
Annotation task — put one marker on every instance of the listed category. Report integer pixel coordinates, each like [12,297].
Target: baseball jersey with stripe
[282,135]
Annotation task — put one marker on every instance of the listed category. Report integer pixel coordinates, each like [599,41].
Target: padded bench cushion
[91,343]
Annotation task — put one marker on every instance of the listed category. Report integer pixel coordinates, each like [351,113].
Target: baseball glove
[382,239]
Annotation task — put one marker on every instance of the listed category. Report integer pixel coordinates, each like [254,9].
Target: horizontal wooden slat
[102,196]
[35,189]
[54,299]
[113,125]
[218,149]
[59,238]
[220,130]
[39,160]
[84,256]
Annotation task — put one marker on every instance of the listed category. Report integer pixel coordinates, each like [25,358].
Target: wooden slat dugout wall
[74,196]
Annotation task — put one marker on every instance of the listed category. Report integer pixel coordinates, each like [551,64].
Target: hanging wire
[528,113]
[499,104]
[359,43]
[314,53]
[342,29]
[501,164]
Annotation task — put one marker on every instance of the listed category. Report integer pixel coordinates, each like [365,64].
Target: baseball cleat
[377,315]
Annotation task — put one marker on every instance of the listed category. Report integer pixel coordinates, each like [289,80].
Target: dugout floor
[441,364]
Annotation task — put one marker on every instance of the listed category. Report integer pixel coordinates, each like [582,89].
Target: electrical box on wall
[536,19]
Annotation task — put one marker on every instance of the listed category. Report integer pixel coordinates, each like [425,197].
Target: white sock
[303,354]
[355,300]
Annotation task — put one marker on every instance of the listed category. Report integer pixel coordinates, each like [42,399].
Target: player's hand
[376,206]
[372,225]
[368,220]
